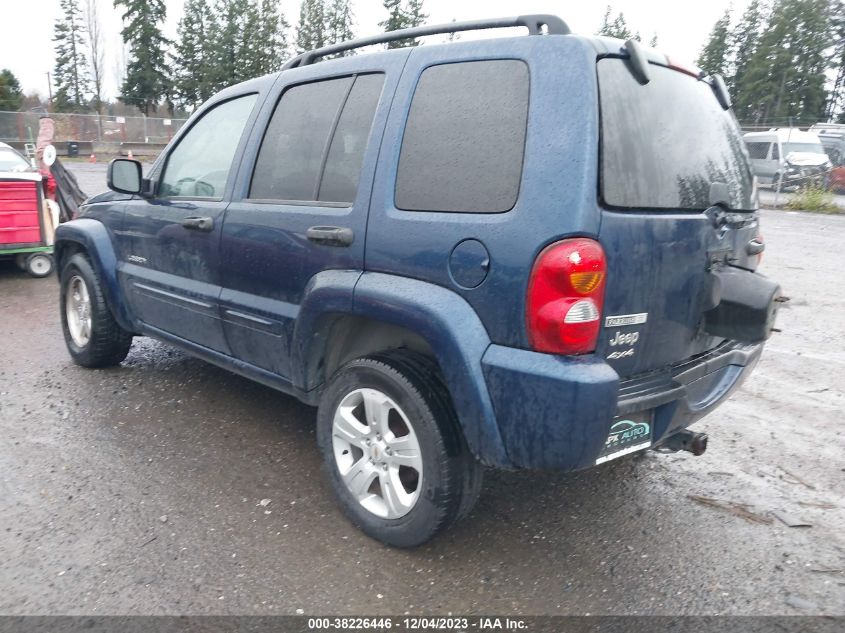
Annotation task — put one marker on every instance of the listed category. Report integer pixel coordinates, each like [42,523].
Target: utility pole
[49,88]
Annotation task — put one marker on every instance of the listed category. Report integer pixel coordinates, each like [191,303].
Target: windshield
[666,142]
[809,148]
[10,160]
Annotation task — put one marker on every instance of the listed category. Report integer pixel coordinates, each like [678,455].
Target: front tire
[393,451]
[93,337]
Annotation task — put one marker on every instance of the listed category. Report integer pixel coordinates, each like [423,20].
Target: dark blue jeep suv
[531,252]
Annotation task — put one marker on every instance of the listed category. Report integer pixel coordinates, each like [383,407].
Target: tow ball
[690,441]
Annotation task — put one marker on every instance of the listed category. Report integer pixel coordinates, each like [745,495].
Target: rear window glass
[465,137]
[665,142]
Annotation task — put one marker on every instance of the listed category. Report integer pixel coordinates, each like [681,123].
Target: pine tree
[247,42]
[71,71]
[395,20]
[653,41]
[232,36]
[146,83]
[272,34]
[403,15]
[339,22]
[785,78]
[744,40]
[11,95]
[715,55]
[617,27]
[414,13]
[311,30]
[193,55]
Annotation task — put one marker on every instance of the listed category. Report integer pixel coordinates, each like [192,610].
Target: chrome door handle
[330,235]
[198,224]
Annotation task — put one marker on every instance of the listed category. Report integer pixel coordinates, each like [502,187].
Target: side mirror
[124,176]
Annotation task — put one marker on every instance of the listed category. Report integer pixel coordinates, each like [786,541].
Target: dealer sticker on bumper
[628,434]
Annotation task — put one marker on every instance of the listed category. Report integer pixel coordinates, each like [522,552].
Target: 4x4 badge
[625,319]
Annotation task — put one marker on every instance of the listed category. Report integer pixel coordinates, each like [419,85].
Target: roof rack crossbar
[534,23]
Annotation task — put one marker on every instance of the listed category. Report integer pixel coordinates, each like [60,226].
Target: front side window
[315,141]
[464,140]
[199,166]
[775,151]
[757,149]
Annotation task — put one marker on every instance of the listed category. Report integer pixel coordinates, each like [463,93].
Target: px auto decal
[626,436]
[625,432]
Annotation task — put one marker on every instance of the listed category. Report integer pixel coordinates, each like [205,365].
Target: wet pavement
[143,489]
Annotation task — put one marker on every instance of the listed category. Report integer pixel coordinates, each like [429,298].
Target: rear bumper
[555,413]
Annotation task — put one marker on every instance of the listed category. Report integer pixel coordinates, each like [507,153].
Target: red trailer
[27,221]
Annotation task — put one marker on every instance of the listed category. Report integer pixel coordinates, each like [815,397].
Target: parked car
[450,252]
[27,219]
[788,158]
[832,137]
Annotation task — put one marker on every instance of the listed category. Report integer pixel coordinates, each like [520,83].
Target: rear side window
[315,142]
[343,163]
[464,141]
[664,143]
[757,149]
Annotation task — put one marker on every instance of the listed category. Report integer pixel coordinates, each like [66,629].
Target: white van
[789,155]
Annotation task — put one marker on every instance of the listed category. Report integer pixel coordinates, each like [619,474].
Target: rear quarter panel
[557,196]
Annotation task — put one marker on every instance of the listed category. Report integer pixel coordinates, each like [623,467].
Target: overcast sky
[682,26]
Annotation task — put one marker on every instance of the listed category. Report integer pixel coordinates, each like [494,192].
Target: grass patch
[813,198]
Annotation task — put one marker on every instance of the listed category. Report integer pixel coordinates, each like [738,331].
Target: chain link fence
[94,128]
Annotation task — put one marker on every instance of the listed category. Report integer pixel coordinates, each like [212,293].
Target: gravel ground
[138,489]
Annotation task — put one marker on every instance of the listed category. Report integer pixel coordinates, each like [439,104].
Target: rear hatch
[663,146]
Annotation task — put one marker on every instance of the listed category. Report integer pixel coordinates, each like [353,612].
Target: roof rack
[534,23]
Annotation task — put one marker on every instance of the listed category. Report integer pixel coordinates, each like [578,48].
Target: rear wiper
[720,211]
[638,61]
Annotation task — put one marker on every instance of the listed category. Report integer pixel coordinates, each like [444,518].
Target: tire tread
[109,344]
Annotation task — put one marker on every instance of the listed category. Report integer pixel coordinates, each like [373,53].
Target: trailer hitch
[684,440]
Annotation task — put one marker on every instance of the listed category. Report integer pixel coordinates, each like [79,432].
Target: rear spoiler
[640,57]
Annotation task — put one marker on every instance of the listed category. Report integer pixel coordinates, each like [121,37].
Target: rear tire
[93,337]
[394,406]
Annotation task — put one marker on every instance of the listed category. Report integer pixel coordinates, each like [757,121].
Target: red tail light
[566,297]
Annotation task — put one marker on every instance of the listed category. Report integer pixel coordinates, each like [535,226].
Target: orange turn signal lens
[585,282]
